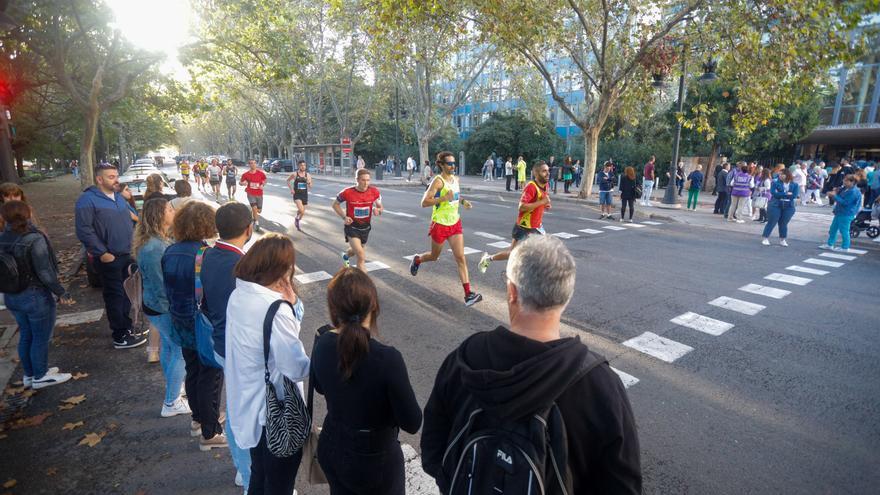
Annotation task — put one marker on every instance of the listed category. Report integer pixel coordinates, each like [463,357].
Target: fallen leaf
[65,407]
[76,399]
[92,439]
[29,392]
[31,421]
[10,483]
[51,471]
[78,375]
[112,426]
[14,390]
[71,426]
[141,492]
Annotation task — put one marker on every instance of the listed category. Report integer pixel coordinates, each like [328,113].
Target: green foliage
[512,134]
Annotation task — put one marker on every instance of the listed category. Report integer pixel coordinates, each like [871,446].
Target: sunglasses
[451,164]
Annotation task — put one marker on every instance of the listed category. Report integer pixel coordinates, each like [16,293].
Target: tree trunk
[710,167]
[87,148]
[591,149]
[19,163]
[423,151]
[7,161]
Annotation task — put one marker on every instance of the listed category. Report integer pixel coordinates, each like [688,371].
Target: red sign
[346,145]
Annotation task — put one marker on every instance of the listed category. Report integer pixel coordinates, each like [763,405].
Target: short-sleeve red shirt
[531,219]
[255,180]
[359,205]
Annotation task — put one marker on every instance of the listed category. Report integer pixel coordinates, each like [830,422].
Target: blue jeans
[840,224]
[170,356]
[34,311]
[241,458]
[778,214]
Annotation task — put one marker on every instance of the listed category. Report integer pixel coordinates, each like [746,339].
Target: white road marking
[659,347]
[844,257]
[832,264]
[499,244]
[79,318]
[788,279]
[410,257]
[489,236]
[467,250]
[375,265]
[590,231]
[702,323]
[613,227]
[763,290]
[651,222]
[307,278]
[737,305]
[564,235]
[636,225]
[803,269]
[418,482]
[321,195]
[627,379]
[398,213]
[857,251]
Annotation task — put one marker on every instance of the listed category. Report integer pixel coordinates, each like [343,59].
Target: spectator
[10,191]
[762,195]
[648,182]
[263,276]
[487,169]
[193,225]
[567,173]
[427,173]
[368,393]
[606,185]
[510,374]
[555,173]
[783,192]
[234,225]
[848,202]
[34,306]
[814,186]
[718,169]
[721,189]
[411,167]
[740,191]
[578,173]
[520,173]
[627,192]
[151,237]
[104,226]
[679,177]
[127,195]
[508,172]
[184,194]
[800,178]
[499,167]
[695,180]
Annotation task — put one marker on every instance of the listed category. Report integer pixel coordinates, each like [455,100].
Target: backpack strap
[198,277]
[267,331]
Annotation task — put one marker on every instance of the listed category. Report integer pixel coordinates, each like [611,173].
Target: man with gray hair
[502,380]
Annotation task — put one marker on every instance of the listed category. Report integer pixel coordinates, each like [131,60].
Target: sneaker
[218,441]
[629,220]
[765,242]
[50,379]
[472,298]
[239,481]
[195,428]
[413,266]
[178,407]
[842,250]
[826,246]
[257,227]
[602,217]
[484,262]
[783,243]
[346,260]
[740,221]
[28,381]
[130,341]
[296,223]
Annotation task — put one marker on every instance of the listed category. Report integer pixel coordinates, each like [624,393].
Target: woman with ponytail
[369,397]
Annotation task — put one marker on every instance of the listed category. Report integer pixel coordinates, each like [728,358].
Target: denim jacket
[779,192]
[178,269]
[847,202]
[149,261]
[36,249]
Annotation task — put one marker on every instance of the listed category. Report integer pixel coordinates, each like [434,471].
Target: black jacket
[510,376]
[34,247]
[627,188]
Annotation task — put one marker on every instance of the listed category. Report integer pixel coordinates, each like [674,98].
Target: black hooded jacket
[510,376]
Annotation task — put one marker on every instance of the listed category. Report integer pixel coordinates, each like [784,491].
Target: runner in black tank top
[299,183]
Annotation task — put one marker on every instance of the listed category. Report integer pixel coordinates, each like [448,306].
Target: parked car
[138,186]
[266,165]
[282,166]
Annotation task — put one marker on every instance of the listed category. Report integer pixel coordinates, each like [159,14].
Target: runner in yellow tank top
[444,198]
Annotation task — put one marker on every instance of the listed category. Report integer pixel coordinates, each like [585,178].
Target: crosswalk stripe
[650,222]
[489,236]
[836,256]
[375,265]
[740,306]
[467,251]
[307,278]
[627,379]
[613,227]
[832,264]
[499,244]
[79,318]
[659,347]
[410,257]
[637,225]
[564,235]
[857,251]
[590,231]
[702,323]
[763,290]
[316,194]
[788,279]
[803,269]
[399,214]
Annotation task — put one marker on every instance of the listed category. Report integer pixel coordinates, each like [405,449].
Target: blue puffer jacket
[783,196]
[102,224]
[149,260]
[178,269]
[847,202]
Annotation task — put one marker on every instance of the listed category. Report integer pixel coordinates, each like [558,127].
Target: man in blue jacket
[103,225]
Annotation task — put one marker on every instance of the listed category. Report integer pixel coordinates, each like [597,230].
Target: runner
[199,172]
[184,170]
[215,173]
[359,208]
[443,195]
[230,171]
[253,181]
[301,183]
[532,203]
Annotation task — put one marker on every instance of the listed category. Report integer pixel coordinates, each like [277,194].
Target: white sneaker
[178,407]
[50,379]
[239,481]
[842,250]
[783,243]
[740,221]
[29,380]
[835,248]
[826,246]
[484,262]
[765,242]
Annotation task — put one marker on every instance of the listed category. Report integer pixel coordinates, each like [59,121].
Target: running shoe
[765,242]
[484,262]
[413,266]
[826,246]
[130,341]
[179,406]
[472,298]
[346,260]
[783,243]
[296,223]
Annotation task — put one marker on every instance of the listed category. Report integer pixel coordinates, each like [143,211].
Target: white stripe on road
[627,379]
[836,256]
[590,231]
[79,318]
[564,235]
[737,305]
[307,278]
[499,244]
[321,195]
[613,227]
[659,347]
[637,225]
[375,265]
[857,251]
[788,279]
[803,269]
[649,222]
[410,257]
[489,236]
[763,290]
[400,214]
[832,264]
[467,251]
[418,482]
[702,323]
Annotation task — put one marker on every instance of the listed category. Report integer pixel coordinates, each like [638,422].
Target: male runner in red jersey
[254,180]
[359,201]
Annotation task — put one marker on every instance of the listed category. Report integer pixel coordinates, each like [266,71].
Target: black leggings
[623,203]
[203,387]
[507,181]
[272,475]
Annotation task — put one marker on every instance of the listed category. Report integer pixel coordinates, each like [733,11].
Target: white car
[138,186]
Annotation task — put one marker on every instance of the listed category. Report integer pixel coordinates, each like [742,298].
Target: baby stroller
[862,223]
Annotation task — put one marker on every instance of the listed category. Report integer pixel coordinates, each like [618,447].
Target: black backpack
[15,271]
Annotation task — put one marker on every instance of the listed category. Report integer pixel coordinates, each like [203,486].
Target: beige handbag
[311,467]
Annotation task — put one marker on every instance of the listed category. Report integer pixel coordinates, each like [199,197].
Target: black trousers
[361,463]
[116,303]
[507,181]
[720,202]
[623,203]
[272,475]
[203,386]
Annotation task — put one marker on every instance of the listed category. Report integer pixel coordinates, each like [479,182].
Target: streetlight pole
[670,199]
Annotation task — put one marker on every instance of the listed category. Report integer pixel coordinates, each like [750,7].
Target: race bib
[455,196]
[301,186]
[362,212]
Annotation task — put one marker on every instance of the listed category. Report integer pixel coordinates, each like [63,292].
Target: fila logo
[504,457]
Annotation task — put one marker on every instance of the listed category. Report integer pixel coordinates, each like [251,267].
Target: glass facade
[858,91]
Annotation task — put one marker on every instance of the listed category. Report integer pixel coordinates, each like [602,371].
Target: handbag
[203,327]
[761,202]
[288,422]
[637,191]
[314,473]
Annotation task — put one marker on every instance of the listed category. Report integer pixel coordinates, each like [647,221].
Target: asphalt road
[781,401]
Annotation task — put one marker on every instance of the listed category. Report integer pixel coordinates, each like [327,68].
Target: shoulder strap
[267,331]
[198,278]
